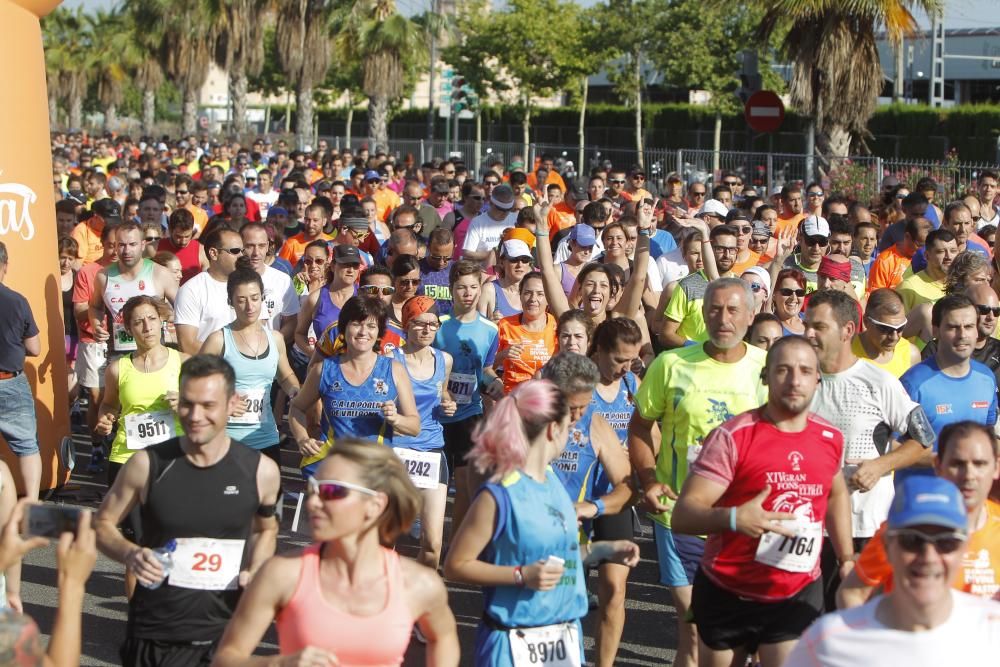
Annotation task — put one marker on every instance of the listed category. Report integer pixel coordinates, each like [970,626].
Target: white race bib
[461,387]
[692,453]
[122,340]
[792,554]
[205,564]
[149,428]
[254,406]
[549,646]
[424,468]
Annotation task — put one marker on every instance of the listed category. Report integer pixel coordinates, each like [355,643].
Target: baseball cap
[584,235]
[372,175]
[578,192]
[923,500]
[277,210]
[324,186]
[762,275]
[815,225]
[250,172]
[109,210]
[515,248]
[516,164]
[440,187]
[760,228]
[346,254]
[713,207]
[519,233]
[76,196]
[890,181]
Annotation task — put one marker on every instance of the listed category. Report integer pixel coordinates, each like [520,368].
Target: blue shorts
[18,426]
[679,556]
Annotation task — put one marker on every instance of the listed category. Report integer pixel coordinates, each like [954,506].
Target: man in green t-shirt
[689,391]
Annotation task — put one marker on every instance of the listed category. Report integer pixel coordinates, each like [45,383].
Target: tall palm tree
[240,50]
[142,52]
[303,39]
[110,41]
[68,61]
[837,77]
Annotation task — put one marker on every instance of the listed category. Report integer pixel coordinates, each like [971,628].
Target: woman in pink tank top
[348,599]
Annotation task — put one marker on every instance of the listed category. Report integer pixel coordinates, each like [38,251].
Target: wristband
[732,519]
[518,577]
[645,232]
[599,504]
[538,236]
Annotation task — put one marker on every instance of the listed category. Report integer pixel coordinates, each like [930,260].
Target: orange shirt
[539,346]
[561,216]
[200,218]
[553,177]
[752,260]
[88,238]
[385,201]
[979,573]
[887,270]
[789,223]
[295,246]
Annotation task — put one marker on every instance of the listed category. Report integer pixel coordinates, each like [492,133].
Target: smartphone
[50,520]
[554,560]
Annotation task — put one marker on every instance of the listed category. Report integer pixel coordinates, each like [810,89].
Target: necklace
[256,347]
[145,361]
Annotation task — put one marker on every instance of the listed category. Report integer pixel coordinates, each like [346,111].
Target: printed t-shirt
[685,307]
[295,246]
[539,348]
[887,269]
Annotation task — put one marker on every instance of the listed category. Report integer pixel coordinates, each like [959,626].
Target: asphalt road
[648,639]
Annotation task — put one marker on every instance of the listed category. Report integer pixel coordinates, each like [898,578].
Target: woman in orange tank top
[349,599]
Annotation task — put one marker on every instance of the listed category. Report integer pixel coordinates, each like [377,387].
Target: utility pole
[897,84]
[937,60]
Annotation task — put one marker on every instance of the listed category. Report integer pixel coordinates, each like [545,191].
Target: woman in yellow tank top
[881,341]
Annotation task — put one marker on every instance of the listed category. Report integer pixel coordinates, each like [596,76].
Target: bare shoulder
[424,586]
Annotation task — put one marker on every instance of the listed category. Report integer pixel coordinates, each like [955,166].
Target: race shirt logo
[381,387]
[795,458]
[980,405]
[719,411]
[231,490]
[337,386]
[943,408]
[142,284]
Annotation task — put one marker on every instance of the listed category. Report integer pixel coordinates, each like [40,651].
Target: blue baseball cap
[928,501]
[583,234]
[372,175]
[277,210]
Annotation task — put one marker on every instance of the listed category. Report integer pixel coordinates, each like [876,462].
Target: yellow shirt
[901,356]
[918,288]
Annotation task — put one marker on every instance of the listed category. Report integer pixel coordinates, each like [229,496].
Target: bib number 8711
[544,652]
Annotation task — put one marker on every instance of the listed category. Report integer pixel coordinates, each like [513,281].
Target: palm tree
[240,50]
[303,38]
[837,77]
[68,62]
[142,52]
[110,41]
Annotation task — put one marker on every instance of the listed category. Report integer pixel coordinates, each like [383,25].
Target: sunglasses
[788,291]
[438,258]
[756,287]
[374,290]
[638,177]
[408,282]
[730,183]
[231,251]
[519,260]
[815,193]
[821,242]
[181,192]
[619,181]
[476,197]
[332,489]
[150,239]
[359,234]
[308,261]
[983,309]
[900,197]
[491,183]
[915,541]
[889,329]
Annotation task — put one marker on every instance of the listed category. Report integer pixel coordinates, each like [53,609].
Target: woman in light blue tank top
[423,454]
[503,298]
[259,358]
[521,529]
[363,394]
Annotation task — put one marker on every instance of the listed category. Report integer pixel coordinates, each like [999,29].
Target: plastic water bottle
[165,555]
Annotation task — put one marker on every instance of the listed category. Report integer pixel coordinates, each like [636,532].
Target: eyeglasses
[332,489]
[815,193]
[518,260]
[619,181]
[231,251]
[915,541]
[986,310]
[150,239]
[182,192]
[476,197]
[375,290]
[818,241]
[788,291]
[428,326]
[889,329]
[744,230]
[408,282]
[308,261]
[732,250]
[638,177]
[756,287]
[439,258]
[359,234]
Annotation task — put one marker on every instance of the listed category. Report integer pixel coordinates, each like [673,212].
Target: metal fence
[858,177]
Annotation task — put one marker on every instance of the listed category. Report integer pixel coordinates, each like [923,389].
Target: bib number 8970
[545,652]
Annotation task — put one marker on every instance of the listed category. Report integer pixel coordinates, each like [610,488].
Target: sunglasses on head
[788,291]
[983,309]
[374,290]
[888,329]
[915,541]
[332,489]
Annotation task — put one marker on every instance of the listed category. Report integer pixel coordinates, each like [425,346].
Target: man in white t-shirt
[264,194]
[485,230]
[922,621]
[867,404]
[202,303]
[281,303]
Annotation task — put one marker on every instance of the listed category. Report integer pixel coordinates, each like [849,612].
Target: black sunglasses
[986,310]
[915,541]
[788,291]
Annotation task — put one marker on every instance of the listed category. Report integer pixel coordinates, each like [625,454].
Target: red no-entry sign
[764,111]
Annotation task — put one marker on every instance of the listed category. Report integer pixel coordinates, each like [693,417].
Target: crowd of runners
[797,390]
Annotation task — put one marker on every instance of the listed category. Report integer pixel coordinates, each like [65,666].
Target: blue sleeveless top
[576,464]
[534,521]
[506,310]
[428,396]
[353,411]
[326,312]
[617,413]
[254,377]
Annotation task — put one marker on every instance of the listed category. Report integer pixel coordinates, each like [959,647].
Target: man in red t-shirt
[765,485]
[181,242]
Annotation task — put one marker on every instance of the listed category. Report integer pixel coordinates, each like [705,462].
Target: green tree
[238,50]
[111,56]
[836,75]
[68,62]
[304,46]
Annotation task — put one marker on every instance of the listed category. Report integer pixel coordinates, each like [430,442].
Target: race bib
[122,340]
[424,468]
[461,386]
[205,564]
[792,554]
[254,407]
[549,646]
[692,453]
[149,428]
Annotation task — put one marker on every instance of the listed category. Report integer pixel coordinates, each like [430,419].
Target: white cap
[713,207]
[815,225]
[161,146]
[249,172]
[762,275]
[516,248]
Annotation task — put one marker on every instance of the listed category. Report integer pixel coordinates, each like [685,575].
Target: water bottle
[165,555]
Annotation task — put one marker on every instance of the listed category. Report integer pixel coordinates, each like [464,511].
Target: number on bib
[424,468]
[549,646]
[123,340]
[792,554]
[461,387]
[207,565]
[149,428]
[254,407]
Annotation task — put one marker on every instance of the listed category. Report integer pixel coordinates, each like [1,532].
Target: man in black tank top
[216,499]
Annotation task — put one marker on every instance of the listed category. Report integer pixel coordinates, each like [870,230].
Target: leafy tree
[68,61]
[238,50]
[304,47]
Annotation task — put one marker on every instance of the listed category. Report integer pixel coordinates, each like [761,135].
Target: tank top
[308,620]
[567,279]
[256,428]
[353,411]
[117,292]
[69,319]
[146,415]
[502,304]
[427,394]
[900,362]
[535,520]
[576,464]
[184,502]
[617,413]
[327,312]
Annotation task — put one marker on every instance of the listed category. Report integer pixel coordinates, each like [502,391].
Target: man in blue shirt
[951,386]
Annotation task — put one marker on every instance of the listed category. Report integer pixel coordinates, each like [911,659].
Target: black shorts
[131,525]
[139,652]
[614,526]
[831,571]
[727,621]
[458,440]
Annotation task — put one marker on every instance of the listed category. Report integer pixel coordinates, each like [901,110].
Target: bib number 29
[207,562]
